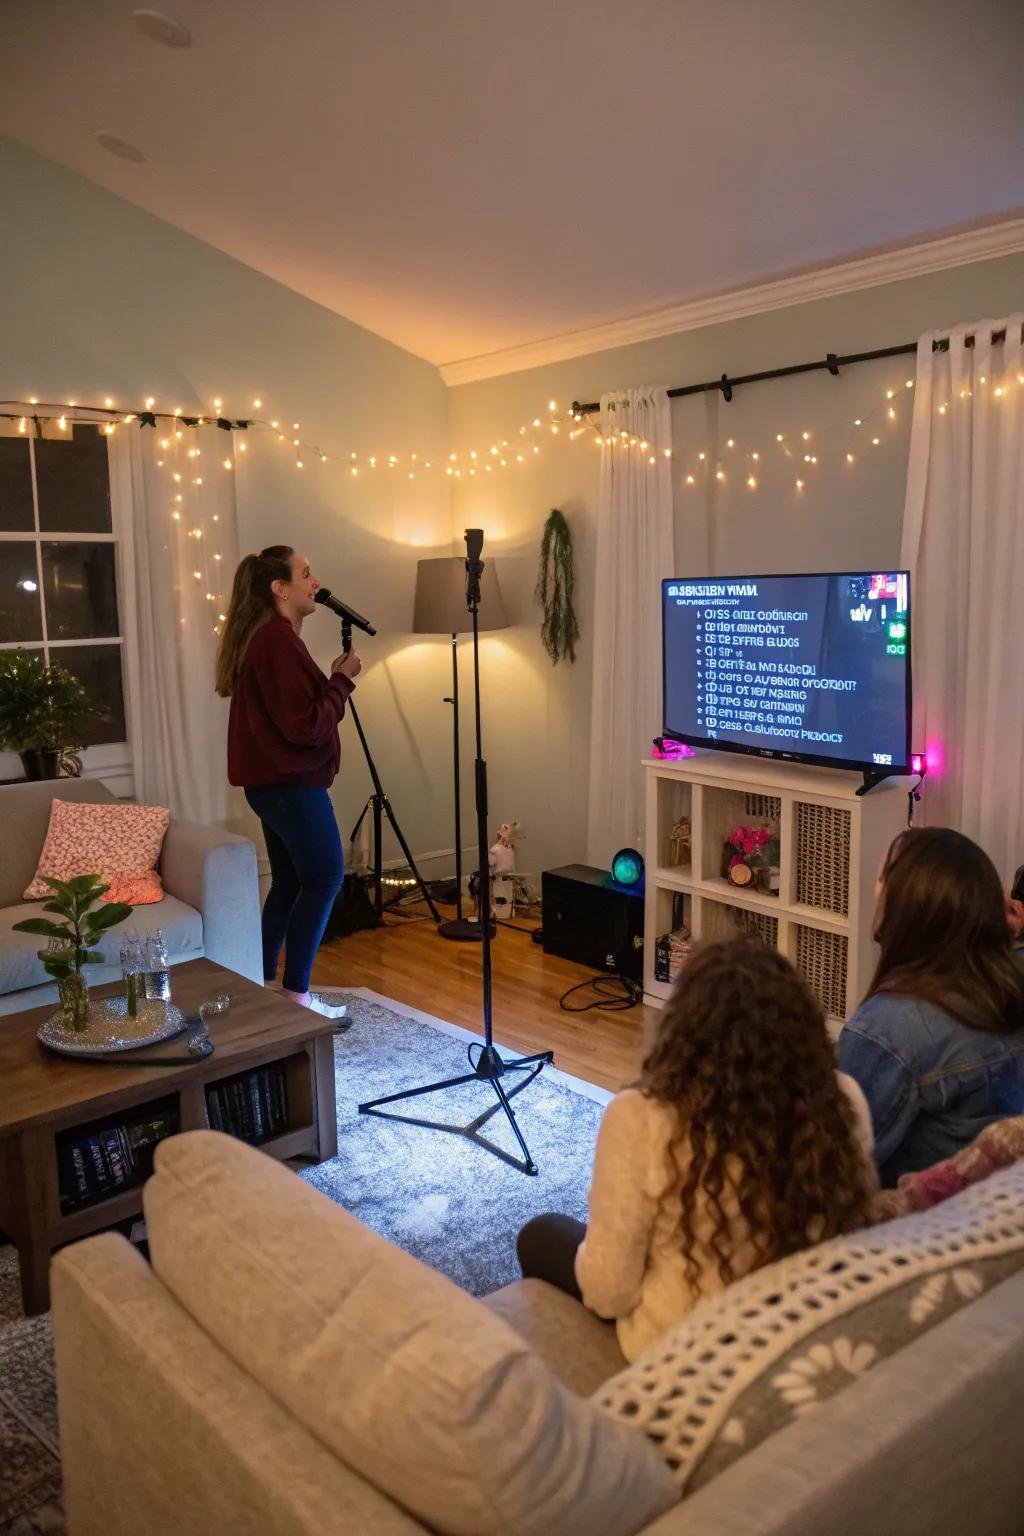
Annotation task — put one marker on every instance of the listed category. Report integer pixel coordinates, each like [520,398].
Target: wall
[537,716]
[98,298]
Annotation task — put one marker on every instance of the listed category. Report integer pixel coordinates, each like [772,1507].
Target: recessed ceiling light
[115,145]
[162,29]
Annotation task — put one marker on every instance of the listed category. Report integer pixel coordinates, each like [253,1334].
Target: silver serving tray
[111,1029]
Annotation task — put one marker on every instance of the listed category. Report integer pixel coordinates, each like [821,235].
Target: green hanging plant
[556,586]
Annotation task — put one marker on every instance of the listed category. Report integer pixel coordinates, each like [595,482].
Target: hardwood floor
[410,962]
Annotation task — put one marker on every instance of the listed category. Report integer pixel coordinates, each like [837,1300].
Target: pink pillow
[114,839]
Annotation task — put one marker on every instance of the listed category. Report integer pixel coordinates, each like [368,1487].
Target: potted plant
[72,943]
[556,589]
[42,709]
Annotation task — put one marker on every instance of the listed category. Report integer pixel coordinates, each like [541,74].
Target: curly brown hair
[743,1054]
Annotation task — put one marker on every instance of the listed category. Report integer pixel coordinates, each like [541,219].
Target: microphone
[474,544]
[345,613]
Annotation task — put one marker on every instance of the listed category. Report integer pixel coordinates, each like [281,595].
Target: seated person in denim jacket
[938,1044]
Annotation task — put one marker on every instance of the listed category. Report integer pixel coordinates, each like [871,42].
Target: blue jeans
[307,868]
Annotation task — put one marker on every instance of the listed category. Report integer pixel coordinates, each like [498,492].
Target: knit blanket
[799,1329]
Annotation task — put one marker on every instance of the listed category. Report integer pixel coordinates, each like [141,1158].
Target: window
[58,565]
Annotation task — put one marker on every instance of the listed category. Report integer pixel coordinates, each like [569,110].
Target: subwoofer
[592,920]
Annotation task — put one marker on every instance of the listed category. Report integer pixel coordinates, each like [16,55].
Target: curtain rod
[831,362]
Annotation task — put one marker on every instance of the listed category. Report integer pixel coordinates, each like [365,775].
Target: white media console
[832,844]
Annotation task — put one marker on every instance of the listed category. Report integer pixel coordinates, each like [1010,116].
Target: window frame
[110,761]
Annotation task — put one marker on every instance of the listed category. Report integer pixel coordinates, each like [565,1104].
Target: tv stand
[818,908]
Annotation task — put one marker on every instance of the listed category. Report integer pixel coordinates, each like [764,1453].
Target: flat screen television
[812,669]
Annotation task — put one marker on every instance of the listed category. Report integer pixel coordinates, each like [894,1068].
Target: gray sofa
[279,1367]
[210,906]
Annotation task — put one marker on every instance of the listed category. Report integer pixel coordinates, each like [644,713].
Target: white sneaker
[325,1001]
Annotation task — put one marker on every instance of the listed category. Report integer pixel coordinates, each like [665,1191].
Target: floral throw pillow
[114,839]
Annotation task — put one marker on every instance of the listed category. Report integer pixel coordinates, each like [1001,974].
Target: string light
[585,423]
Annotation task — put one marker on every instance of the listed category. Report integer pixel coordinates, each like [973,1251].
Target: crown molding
[978,244]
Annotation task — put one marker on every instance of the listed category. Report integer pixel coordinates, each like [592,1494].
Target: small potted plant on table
[72,943]
[42,710]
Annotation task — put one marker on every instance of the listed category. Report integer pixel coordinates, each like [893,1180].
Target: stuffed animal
[502,861]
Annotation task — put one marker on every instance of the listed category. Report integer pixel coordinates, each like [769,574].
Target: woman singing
[283,750]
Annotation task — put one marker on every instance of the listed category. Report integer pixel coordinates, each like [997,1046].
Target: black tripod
[487,1065]
[380,806]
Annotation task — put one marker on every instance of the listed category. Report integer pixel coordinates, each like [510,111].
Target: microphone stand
[380,806]
[487,1065]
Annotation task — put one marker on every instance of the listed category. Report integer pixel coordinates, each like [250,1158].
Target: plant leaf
[106,917]
[42,925]
[85,885]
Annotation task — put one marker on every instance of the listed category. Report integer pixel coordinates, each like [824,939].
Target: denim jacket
[932,1083]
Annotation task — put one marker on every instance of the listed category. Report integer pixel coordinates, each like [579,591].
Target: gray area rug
[439,1194]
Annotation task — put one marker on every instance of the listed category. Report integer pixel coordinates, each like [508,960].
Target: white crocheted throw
[683,1390]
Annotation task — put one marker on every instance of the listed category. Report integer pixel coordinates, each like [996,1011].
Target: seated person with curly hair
[740,1144]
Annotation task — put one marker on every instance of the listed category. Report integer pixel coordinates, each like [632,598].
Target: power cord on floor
[606,1001]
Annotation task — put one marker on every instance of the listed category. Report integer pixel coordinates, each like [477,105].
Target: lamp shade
[440,605]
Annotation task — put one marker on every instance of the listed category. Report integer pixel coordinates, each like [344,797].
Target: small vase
[74,1000]
[40,763]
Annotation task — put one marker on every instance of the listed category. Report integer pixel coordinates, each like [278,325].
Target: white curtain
[174,509]
[634,553]
[963,540]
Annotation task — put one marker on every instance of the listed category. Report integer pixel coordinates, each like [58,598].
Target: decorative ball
[627,867]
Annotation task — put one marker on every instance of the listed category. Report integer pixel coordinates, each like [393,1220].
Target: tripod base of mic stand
[464,928]
[488,1067]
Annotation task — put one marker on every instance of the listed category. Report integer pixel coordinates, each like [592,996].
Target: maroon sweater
[283,727]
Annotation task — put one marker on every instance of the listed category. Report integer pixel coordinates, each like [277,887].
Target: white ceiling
[464,176]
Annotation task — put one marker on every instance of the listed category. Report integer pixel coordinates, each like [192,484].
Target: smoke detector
[162,29]
[115,145]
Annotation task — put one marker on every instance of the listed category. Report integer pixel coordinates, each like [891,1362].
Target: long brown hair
[252,604]
[943,932]
[743,1055]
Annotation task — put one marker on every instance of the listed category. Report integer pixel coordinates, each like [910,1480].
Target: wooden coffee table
[43,1095]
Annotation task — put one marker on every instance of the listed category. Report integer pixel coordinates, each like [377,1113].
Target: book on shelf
[93,1165]
[251,1105]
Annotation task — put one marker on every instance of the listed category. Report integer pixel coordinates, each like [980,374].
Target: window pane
[80,590]
[15,486]
[99,668]
[20,617]
[73,482]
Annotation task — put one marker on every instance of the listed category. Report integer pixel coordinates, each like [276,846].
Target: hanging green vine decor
[556,583]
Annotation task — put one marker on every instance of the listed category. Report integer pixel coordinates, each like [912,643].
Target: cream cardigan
[630,1265]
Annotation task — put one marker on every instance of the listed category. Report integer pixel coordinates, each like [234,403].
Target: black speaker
[590,919]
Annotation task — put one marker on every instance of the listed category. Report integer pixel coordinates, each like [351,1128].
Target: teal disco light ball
[627,867]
